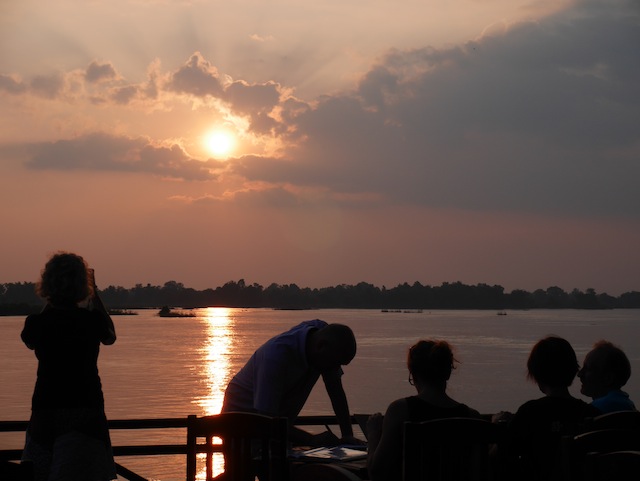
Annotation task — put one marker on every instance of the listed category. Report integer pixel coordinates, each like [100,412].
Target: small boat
[166,312]
[121,312]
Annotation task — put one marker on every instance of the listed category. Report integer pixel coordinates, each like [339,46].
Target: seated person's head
[552,363]
[64,279]
[431,362]
[605,368]
[331,347]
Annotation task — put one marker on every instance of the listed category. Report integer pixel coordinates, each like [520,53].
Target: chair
[615,420]
[450,449]
[578,451]
[618,465]
[252,445]
[322,472]
[10,471]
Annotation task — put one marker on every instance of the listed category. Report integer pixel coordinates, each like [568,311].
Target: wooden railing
[146,449]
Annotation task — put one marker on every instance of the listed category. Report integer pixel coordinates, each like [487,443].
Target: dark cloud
[256,102]
[197,77]
[544,117]
[98,72]
[200,78]
[123,95]
[268,197]
[247,99]
[102,152]
[11,85]
[48,86]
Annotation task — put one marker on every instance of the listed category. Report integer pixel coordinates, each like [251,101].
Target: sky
[323,143]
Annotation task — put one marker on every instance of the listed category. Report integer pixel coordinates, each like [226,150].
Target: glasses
[411,381]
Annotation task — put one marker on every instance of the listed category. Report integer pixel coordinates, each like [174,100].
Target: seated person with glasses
[430,363]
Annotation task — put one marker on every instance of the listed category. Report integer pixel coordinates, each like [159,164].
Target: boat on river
[166,312]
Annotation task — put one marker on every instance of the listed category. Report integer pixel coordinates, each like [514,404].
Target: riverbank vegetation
[20,298]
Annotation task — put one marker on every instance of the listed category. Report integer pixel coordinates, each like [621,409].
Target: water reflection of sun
[216,354]
[217,350]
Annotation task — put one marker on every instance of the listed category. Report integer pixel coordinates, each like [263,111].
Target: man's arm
[333,384]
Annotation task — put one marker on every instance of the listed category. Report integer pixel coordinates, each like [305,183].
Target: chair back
[618,465]
[615,420]
[10,471]
[578,449]
[322,472]
[452,449]
[252,444]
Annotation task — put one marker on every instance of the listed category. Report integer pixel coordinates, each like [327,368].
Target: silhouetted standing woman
[68,437]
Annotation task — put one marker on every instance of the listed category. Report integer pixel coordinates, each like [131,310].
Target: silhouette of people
[538,425]
[67,437]
[430,363]
[279,376]
[605,370]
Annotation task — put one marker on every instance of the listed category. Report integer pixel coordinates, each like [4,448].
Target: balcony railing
[120,450]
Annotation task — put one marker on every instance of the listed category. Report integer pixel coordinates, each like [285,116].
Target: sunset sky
[322,143]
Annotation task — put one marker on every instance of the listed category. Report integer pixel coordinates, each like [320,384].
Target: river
[172,367]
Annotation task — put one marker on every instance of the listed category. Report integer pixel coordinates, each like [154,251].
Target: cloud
[266,196]
[197,77]
[536,117]
[544,117]
[261,38]
[11,85]
[97,72]
[247,99]
[103,152]
[48,86]
[124,95]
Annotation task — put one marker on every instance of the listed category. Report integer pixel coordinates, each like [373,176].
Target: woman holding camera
[68,436]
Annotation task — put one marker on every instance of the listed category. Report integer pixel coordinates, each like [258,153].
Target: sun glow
[219,142]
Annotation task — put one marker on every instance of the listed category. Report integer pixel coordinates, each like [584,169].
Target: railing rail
[147,449]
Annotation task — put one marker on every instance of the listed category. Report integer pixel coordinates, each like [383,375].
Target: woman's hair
[552,362]
[64,279]
[431,361]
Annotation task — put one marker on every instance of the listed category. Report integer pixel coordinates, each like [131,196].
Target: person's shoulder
[317,323]
[42,317]
[33,317]
[398,406]
[397,412]
[532,404]
[616,400]
[578,404]
[304,326]
[469,411]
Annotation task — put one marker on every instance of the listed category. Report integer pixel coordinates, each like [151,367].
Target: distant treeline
[20,298]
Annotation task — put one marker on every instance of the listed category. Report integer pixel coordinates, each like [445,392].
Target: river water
[172,367]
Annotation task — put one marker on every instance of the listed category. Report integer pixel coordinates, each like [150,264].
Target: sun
[219,142]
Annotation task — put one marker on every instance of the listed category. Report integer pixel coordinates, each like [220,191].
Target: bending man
[279,376]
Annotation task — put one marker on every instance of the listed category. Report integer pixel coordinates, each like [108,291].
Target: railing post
[191,449]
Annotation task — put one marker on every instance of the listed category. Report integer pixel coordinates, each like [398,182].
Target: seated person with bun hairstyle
[430,363]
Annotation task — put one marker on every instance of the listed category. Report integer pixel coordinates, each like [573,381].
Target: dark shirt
[537,429]
[67,343]
[421,410]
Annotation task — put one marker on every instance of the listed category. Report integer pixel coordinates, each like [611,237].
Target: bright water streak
[172,367]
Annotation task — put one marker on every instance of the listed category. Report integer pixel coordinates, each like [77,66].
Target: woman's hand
[374,426]
[91,274]
[502,417]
